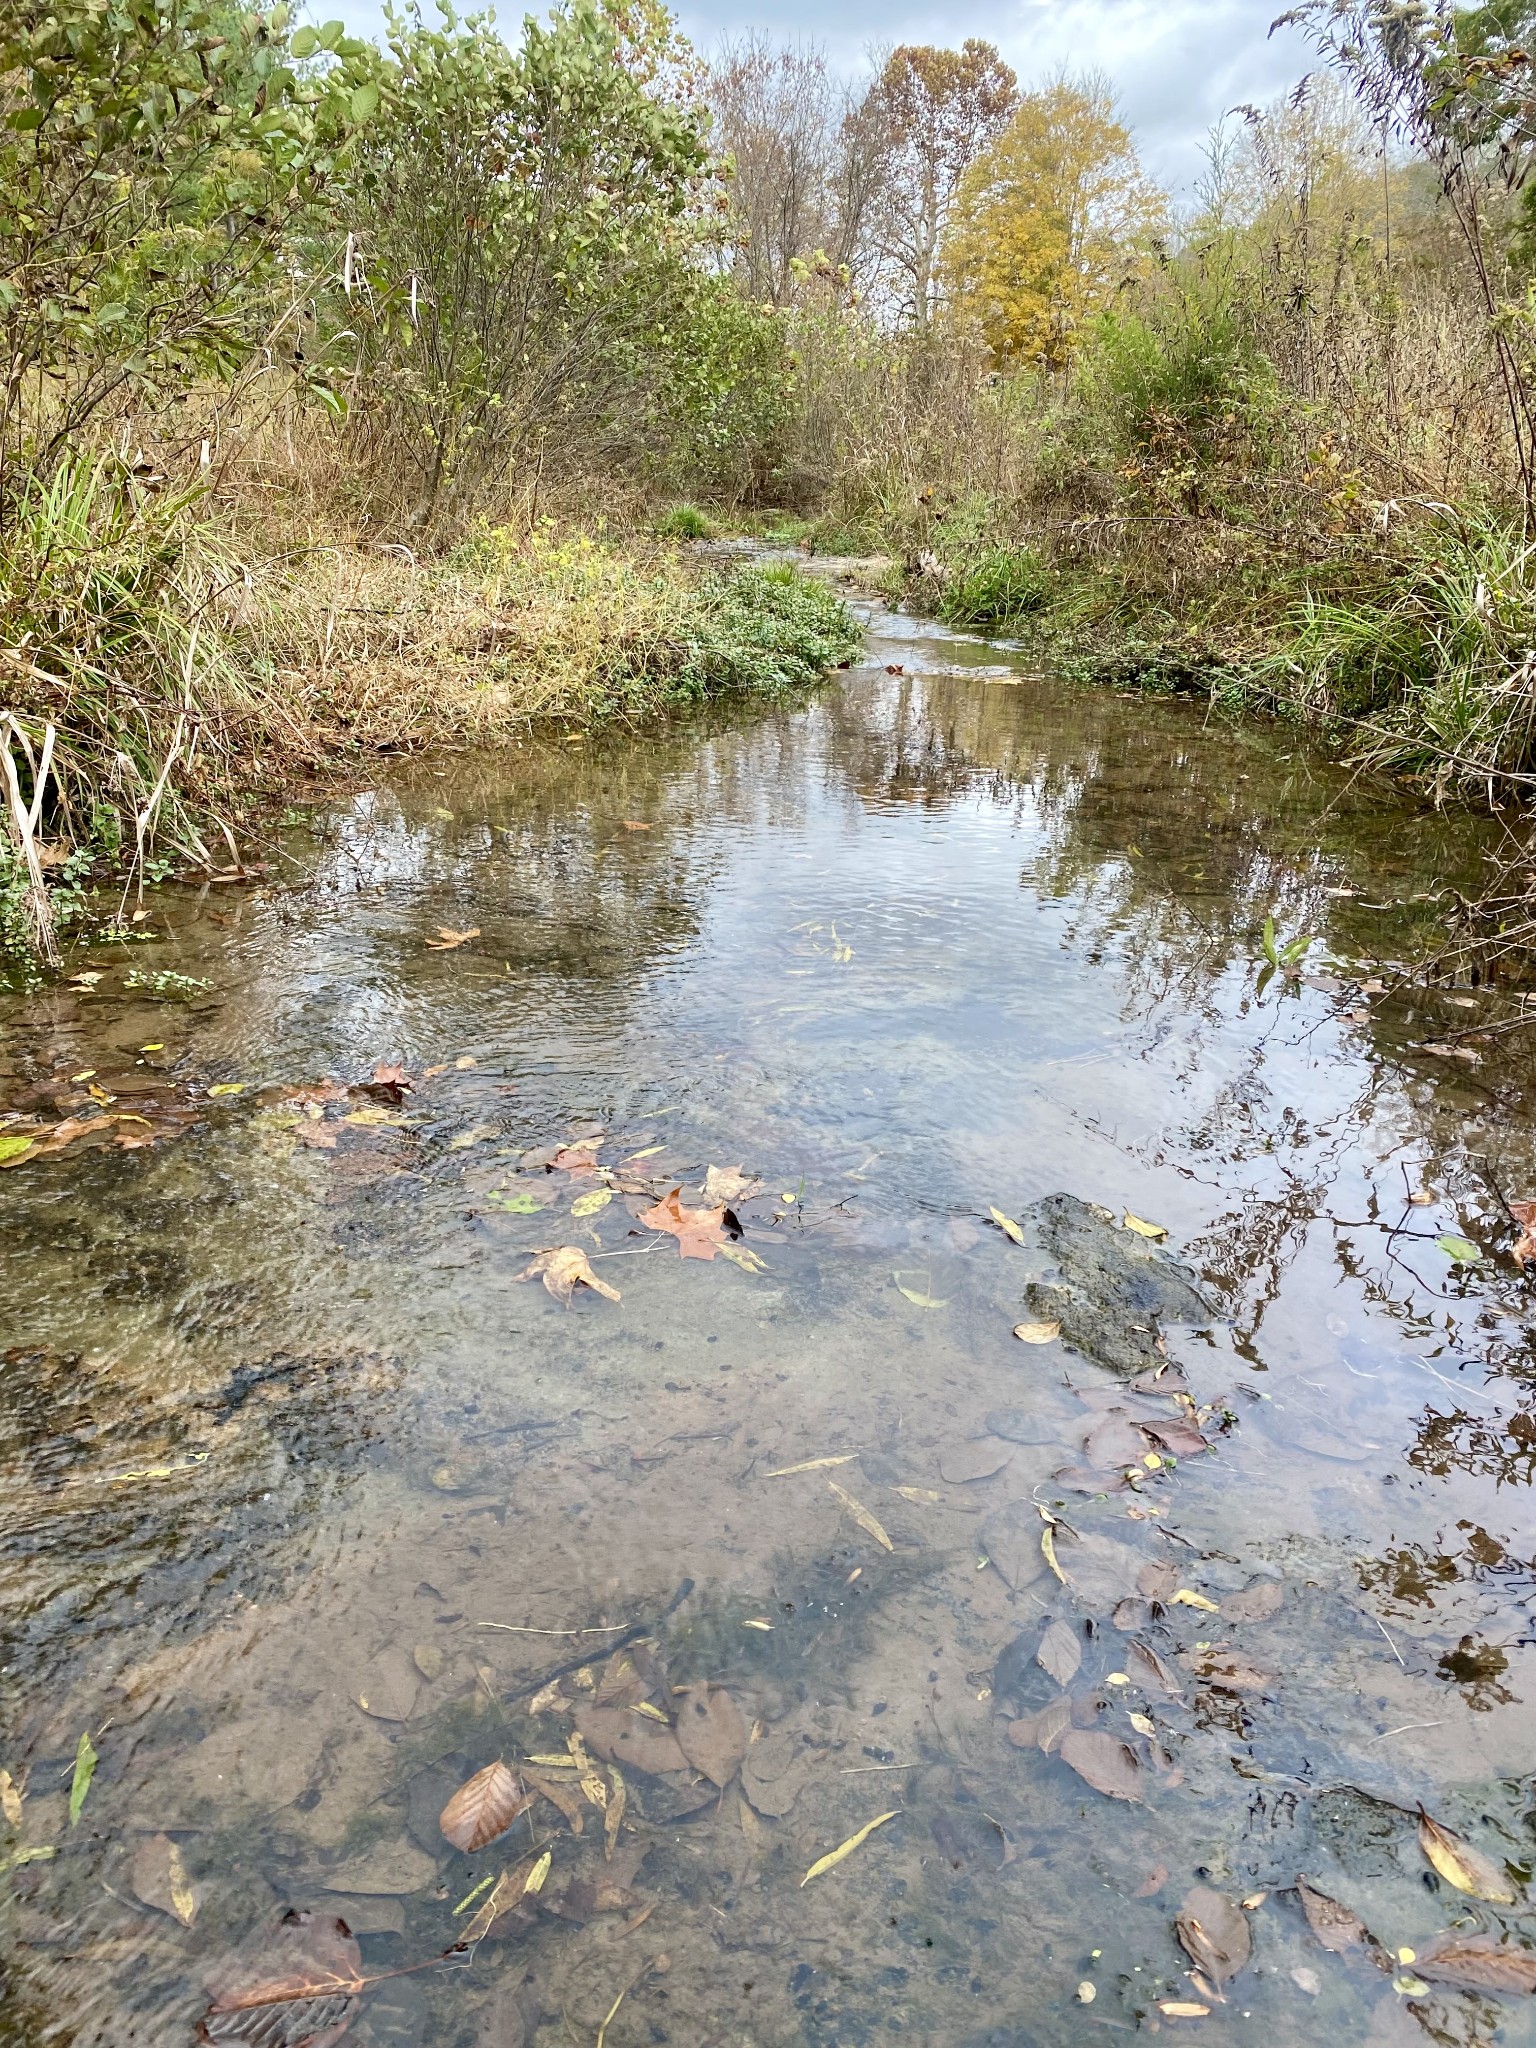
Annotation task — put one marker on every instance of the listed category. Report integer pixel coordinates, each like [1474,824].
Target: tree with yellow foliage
[1049,223]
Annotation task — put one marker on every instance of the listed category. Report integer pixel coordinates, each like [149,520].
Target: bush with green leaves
[520,217]
[997,588]
[154,158]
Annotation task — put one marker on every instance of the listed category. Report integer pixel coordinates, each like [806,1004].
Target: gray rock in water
[1110,1289]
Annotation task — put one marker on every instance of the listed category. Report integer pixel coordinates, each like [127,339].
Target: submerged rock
[1110,1290]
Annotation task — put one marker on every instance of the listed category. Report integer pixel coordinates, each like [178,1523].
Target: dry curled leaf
[1478,1962]
[1462,1865]
[447,938]
[710,1731]
[295,1987]
[1149,1670]
[1103,1761]
[1214,1934]
[1524,1246]
[159,1879]
[1037,1333]
[1335,1926]
[562,1796]
[562,1269]
[699,1232]
[484,1807]
[1143,1228]
[862,1516]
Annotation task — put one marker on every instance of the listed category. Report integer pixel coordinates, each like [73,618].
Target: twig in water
[656,1962]
[511,1628]
[1405,1728]
[1397,1653]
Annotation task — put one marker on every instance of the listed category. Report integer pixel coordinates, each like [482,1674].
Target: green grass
[752,630]
[685,522]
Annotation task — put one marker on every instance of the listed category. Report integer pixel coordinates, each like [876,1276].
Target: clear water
[283,1429]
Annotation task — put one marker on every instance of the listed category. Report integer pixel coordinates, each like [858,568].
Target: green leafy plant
[1287,955]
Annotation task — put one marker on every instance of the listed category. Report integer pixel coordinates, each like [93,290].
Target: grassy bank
[184,681]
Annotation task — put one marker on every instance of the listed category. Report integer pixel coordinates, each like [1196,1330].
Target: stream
[325,1489]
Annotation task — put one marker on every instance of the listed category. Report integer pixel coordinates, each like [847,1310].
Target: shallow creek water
[307,1492]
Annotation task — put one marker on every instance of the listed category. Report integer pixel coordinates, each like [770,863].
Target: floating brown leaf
[1214,1934]
[562,1269]
[698,1231]
[1524,1246]
[1335,1926]
[1478,1962]
[1157,1581]
[296,1987]
[484,1807]
[630,1739]
[1462,1865]
[447,938]
[1152,1883]
[1060,1653]
[710,1731]
[1256,1602]
[1102,1761]
[159,1878]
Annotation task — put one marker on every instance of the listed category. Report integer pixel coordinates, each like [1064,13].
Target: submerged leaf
[484,1807]
[1335,1926]
[724,1186]
[1462,1865]
[1103,1761]
[1037,1333]
[1213,1933]
[710,1731]
[810,1465]
[159,1879]
[589,1204]
[835,1856]
[1060,1653]
[1478,1962]
[916,1296]
[296,1987]
[86,1761]
[447,938]
[564,1268]
[13,1147]
[862,1516]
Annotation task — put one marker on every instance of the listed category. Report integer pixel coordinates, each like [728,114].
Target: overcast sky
[1178,64]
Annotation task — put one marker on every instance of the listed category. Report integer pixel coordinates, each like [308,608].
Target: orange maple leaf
[698,1231]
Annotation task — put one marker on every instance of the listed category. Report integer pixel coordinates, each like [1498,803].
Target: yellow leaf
[1183,2009]
[862,1516]
[1143,1724]
[922,1496]
[1048,1552]
[810,1465]
[1462,1865]
[553,1763]
[758,1622]
[649,1152]
[10,1799]
[917,1299]
[651,1713]
[1143,1228]
[1006,1225]
[741,1255]
[835,1856]
[589,1204]
[1184,1598]
[227,1088]
[1037,1333]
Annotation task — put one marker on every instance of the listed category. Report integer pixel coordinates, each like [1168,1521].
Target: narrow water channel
[318,1499]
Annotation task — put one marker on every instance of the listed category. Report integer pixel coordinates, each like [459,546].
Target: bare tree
[934,111]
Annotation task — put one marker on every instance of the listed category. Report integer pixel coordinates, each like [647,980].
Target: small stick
[1391,1645]
[644,1971]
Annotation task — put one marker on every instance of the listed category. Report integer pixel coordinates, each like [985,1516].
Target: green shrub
[1182,377]
[764,630]
[997,589]
[684,522]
